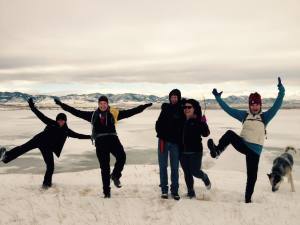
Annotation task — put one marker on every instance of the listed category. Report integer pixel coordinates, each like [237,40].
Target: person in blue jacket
[251,140]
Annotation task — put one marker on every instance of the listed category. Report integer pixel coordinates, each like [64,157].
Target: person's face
[174,99]
[103,106]
[255,108]
[61,123]
[188,110]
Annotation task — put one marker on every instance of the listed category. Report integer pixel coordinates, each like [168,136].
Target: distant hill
[19,100]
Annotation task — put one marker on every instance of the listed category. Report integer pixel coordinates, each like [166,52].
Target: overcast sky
[149,47]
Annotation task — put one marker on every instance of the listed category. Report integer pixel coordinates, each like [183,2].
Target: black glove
[57,101]
[216,93]
[280,85]
[30,102]
[147,105]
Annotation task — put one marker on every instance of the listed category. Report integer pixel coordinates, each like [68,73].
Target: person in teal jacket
[251,139]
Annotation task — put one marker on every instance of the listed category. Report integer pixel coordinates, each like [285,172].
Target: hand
[216,93]
[148,105]
[279,85]
[57,101]
[30,102]
[203,119]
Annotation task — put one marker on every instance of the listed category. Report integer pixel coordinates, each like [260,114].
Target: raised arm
[73,134]
[268,115]
[40,115]
[86,115]
[131,112]
[235,113]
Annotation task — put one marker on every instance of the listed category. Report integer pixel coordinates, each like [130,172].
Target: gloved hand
[279,85]
[216,93]
[203,119]
[30,102]
[147,105]
[57,101]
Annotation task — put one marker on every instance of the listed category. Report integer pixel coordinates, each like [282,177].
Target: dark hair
[103,98]
[196,106]
[61,116]
[175,92]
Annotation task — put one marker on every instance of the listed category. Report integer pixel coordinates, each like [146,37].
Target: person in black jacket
[194,127]
[49,141]
[169,127]
[104,134]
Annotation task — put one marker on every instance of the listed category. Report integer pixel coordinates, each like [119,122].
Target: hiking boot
[164,196]
[2,153]
[175,196]
[116,181]
[214,152]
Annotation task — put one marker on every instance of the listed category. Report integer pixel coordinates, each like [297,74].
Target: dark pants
[191,165]
[252,159]
[32,144]
[104,146]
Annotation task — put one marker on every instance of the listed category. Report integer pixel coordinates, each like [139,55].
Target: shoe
[175,196]
[2,153]
[207,183]
[107,195]
[46,186]
[214,152]
[191,194]
[116,181]
[248,201]
[164,196]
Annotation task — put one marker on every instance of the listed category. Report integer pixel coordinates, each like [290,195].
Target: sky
[150,47]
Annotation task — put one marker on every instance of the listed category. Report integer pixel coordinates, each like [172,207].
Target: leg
[230,137]
[195,168]
[49,161]
[189,180]
[163,165]
[104,159]
[252,161]
[118,152]
[174,163]
[20,150]
[292,182]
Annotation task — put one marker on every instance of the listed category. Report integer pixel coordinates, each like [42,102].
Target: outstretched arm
[73,134]
[86,115]
[235,113]
[131,112]
[40,115]
[268,115]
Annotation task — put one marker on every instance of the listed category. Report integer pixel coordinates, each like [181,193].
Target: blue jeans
[173,149]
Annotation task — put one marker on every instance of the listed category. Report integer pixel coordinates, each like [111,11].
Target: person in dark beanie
[195,127]
[169,132]
[49,141]
[103,121]
[251,140]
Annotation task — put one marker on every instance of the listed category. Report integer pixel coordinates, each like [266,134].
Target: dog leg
[292,182]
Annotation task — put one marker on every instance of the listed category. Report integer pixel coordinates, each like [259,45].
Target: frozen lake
[137,135]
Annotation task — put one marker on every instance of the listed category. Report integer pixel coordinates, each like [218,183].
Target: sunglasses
[187,107]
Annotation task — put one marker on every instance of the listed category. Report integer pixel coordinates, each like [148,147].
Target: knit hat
[175,92]
[103,98]
[255,98]
[61,116]
[196,106]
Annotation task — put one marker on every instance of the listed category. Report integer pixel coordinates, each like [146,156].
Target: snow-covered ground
[76,197]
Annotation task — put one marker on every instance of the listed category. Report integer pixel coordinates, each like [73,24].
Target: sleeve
[268,115]
[160,124]
[73,134]
[42,117]
[205,132]
[86,115]
[235,113]
[130,112]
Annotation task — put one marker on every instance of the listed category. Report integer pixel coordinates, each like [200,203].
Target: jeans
[171,149]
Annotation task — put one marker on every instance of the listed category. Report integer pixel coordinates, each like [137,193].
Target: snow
[76,197]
